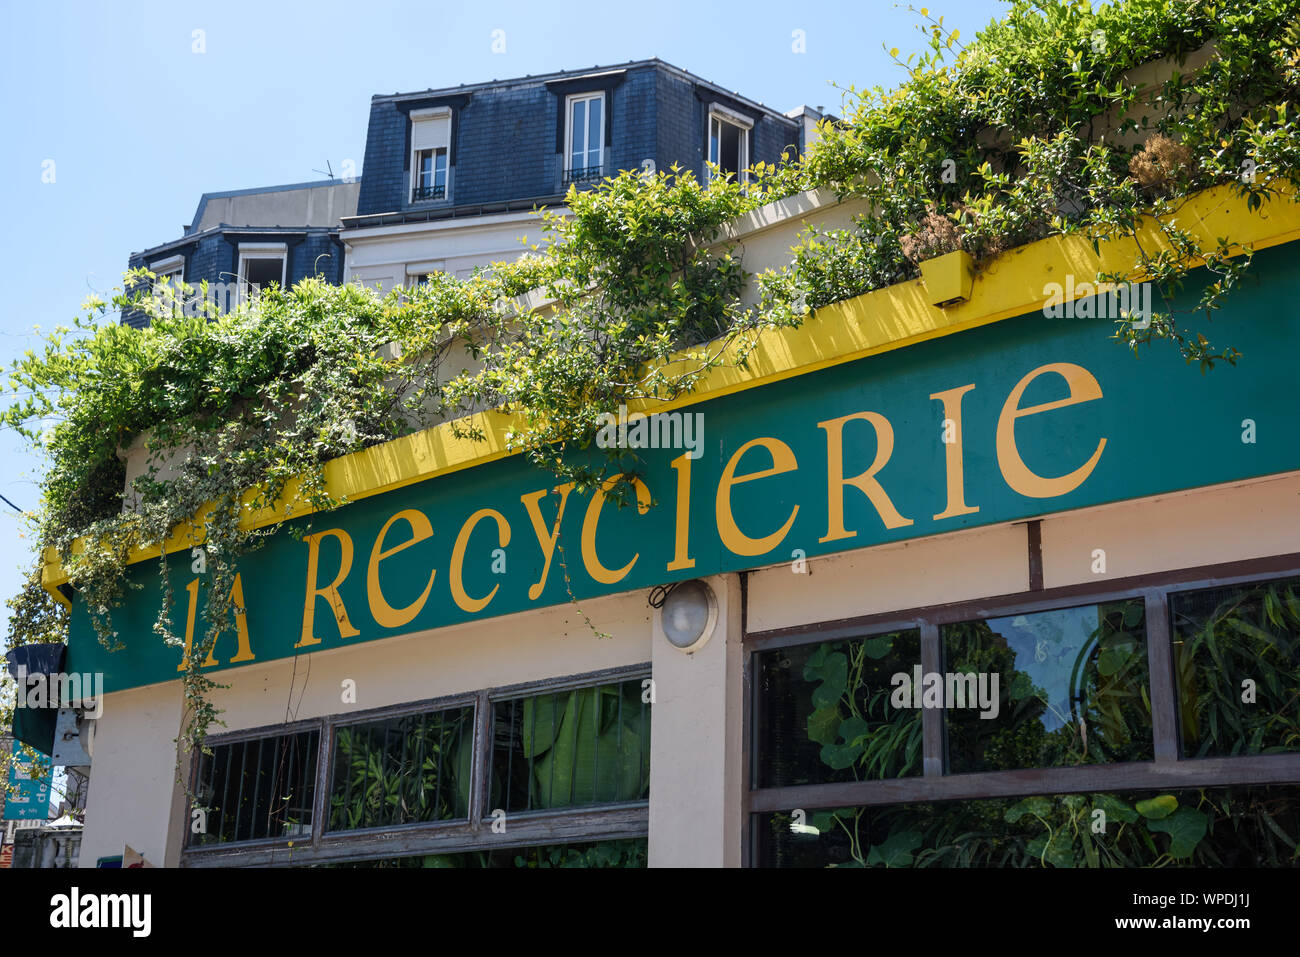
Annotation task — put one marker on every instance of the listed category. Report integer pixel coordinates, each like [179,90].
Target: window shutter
[431,132]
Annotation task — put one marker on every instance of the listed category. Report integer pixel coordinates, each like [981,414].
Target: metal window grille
[257,789]
[444,807]
[402,770]
[582,175]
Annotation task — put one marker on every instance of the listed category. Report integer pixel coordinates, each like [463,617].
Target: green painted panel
[1165,427]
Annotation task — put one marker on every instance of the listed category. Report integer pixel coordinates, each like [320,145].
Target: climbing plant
[1062,119]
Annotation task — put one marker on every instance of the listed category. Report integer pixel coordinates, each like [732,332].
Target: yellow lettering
[544,539]
[241,621]
[209,662]
[955,466]
[589,558]
[385,614]
[783,460]
[681,552]
[330,592]
[1082,388]
[866,482]
[462,599]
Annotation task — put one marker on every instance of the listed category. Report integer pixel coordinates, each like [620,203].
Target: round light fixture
[688,615]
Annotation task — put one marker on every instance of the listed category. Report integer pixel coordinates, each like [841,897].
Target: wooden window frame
[1167,770]
[558,826]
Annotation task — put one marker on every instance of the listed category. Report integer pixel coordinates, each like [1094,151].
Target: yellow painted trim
[875,322]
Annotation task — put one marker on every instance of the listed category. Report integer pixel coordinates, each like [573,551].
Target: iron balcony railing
[428,192]
[582,174]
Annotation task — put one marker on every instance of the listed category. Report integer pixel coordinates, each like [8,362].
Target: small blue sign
[28,798]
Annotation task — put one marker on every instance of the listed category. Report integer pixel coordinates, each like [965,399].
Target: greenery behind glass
[826,714]
[1225,638]
[1073,689]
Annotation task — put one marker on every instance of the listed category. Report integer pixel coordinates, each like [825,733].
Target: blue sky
[138,124]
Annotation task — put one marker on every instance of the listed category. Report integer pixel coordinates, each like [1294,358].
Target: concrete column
[695,743]
[134,797]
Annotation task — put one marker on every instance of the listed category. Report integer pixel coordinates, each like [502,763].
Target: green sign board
[1004,422]
[28,798]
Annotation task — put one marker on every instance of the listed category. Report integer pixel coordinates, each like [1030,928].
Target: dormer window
[584,149]
[430,149]
[729,141]
[167,286]
[170,268]
[260,265]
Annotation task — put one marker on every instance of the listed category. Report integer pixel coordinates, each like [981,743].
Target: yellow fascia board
[872,323]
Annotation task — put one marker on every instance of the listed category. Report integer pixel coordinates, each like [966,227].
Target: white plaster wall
[928,571]
[529,646]
[379,256]
[1207,526]
[695,744]
[133,797]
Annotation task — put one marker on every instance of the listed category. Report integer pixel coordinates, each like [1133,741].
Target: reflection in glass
[824,712]
[1237,661]
[1072,688]
[1211,827]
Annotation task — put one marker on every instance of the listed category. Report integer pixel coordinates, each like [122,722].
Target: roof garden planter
[948,278]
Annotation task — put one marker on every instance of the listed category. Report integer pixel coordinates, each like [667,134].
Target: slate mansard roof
[507,137]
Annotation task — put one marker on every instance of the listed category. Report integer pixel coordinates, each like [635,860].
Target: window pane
[714,134]
[568,748]
[440,169]
[577,133]
[262,272]
[593,133]
[1059,688]
[426,169]
[824,712]
[257,789]
[729,148]
[1234,643]
[415,768]
[1211,827]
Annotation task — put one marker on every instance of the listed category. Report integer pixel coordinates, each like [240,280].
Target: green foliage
[1210,827]
[628,281]
[852,717]
[413,769]
[1108,714]
[1052,122]
[1222,640]
[587,746]
[1221,637]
